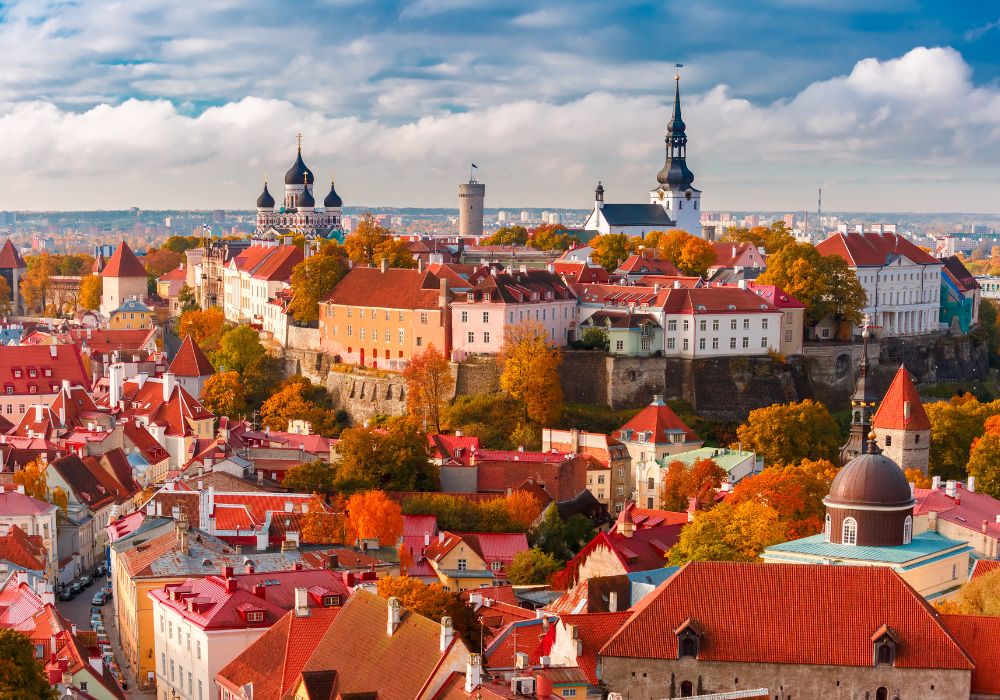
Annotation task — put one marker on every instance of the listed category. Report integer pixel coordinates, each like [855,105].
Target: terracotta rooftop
[980,636]
[894,414]
[873,249]
[191,361]
[393,289]
[659,421]
[22,550]
[123,263]
[10,258]
[971,510]
[40,369]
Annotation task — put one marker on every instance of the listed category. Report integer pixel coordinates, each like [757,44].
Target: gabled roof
[83,481]
[191,361]
[659,420]
[10,258]
[108,340]
[775,295]
[873,249]
[647,263]
[13,504]
[970,510]
[177,274]
[594,630]
[985,566]
[593,595]
[23,550]
[580,271]
[277,267]
[645,549]
[393,289]
[518,287]
[51,364]
[893,413]
[123,263]
[981,638]
[728,254]
[636,215]
[218,607]
[788,614]
[964,280]
[273,662]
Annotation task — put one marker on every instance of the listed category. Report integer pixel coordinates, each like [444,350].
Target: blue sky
[890,105]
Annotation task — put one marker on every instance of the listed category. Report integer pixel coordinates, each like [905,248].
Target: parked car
[66,593]
[86,580]
[99,599]
[76,587]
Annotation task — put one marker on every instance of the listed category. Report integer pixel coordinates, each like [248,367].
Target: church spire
[675,174]
[862,404]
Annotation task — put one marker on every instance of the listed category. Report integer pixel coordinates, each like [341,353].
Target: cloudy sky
[890,105]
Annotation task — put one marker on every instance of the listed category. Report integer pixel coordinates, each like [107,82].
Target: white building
[253,278]
[902,282]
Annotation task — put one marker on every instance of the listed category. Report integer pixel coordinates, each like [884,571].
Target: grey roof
[636,215]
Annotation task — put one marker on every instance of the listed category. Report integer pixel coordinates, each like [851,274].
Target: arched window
[882,693]
[907,530]
[689,647]
[849,533]
[687,689]
[827,528]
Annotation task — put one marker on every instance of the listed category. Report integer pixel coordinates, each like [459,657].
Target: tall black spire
[675,174]
[862,406]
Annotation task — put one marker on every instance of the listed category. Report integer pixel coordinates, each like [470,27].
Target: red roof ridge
[190,360]
[893,414]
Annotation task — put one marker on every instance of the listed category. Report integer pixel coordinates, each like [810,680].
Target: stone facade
[652,679]
[907,448]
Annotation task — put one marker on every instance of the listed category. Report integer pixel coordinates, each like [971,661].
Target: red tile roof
[645,518]
[174,275]
[529,286]
[775,295]
[873,249]
[562,476]
[985,566]
[22,549]
[489,546]
[648,264]
[10,258]
[967,509]
[214,605]
[84,481]
[13,504]
[981,638]
[594,630]
[273,662]
[728,254]
[123,263]
[788,614]
[531,637]
[392,289]
[892,412]
[58,362]
[277,267]
[659,420]
[644,550]
[106,340]
[578,271]
[191,361]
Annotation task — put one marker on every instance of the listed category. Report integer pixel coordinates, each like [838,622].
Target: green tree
[310,477]
[187,299]
[728,533]
[532,567]
[988,329]
[612,249]
[788,433]
[596,338]
[179,244]
[314,278]
[508,235]
[955,425]
[22,676]
[239,348]
[493,418]
[562,538]
[394,459]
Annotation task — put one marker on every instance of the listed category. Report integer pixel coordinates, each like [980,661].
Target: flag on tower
[475,166]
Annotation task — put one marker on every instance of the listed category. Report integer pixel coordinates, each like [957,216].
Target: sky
[889,105]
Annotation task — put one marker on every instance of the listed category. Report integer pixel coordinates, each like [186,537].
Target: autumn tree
[984,463]
[916,476]
[320,525]
[223,394]
[825,285]
[493,418]
[771,238]
[551,237]
[508,235]
[795,492]
[179,244]
[239,348]
[430,385]
[6,300]
[204,327]
[310,477]
[434,602]
[728,533]
[612,249]
[35,281]
[522,509]
[689,254]
[370,243]
[159,261]
[22,676]
[314,278]
[373,515]
[955,425]
[91,288]
[682,483]
[532,567]
[791,432]
[32,478]
[530,372]
[186,299]
[60,499]
[292,402]
[981,595]
[394,459]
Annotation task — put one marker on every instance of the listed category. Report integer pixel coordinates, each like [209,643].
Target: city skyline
[163,109]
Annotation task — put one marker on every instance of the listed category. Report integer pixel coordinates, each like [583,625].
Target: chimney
[734,251]
[114,385]
[907,409]
[473,673]
[613,601]
[970,485]
[677,284]
[39,412]
[258,588]
[627,527]
[949,488]
[248,567]
[227,572]
[458,433]
[393,616]
[333,561]
[288,506]
[936,482]
[53,351]
[520,660]
[168,385]
[159,508]
[427,539]
[447,634]
[301,602]
[181,528]
[441,536]
[383,264]
[230,585]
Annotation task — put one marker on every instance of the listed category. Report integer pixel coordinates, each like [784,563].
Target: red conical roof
[10,259]
[123,264]
[893,413]
[190,361]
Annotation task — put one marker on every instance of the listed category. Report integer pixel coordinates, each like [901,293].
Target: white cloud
[907,133]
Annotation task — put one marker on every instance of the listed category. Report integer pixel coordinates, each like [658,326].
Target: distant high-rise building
[218,216]
[789,221]
[555,217]
[470,207]
[525,216]
[501,217]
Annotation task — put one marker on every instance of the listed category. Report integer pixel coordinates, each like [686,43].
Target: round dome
[870,480]
[298,174]
[265,200]
[675,174]
[305,199]
[333,199]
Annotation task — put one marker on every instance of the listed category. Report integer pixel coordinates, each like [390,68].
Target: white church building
[673,203]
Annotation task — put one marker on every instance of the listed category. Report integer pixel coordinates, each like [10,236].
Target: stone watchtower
[470,207]
[904,431]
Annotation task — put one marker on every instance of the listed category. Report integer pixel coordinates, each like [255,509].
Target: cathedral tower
[675,191]
[862,406]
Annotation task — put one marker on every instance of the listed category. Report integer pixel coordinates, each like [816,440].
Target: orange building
[381,317]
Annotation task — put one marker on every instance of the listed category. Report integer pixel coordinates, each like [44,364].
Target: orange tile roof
[10,258]
[50,363]
[392,289]
[873,249]
[22,549]
[891,413]
[657,418]
[981,638]
[985,566]
[594,630]
[191,361]
[175,274]
[788,614]
[123,263]
[273,662]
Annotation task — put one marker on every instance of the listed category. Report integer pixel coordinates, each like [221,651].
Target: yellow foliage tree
[917,477]
[370,243]
[788,433]
[530,372]
[204,327]
[224,395]
[91,288]
[429,386]
[32,478]
[6,301]
[729,533]
[372,515]
[320,526]
[60,499]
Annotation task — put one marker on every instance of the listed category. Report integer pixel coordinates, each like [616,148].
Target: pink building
[504,299]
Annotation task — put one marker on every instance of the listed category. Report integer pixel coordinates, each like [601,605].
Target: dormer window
[32,372]
[47,371]
[486,296]
[886,644]
[17,374]
[331,601]
[688,639]
[255,616]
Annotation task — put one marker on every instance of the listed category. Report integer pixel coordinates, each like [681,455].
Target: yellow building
[132,314]
[466,561]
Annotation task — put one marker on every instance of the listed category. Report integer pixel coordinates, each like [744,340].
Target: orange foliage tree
[681,484]
[372,515]
[795,492]
[320,525]
[429,386]
[522,509]
[529,372]
[204,327]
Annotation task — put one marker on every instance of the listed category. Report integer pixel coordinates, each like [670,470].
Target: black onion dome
[305,199]
[333,199]
[265,200]
[298,174]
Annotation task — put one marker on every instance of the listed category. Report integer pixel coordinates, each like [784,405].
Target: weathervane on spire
[865,322]
[677,74]
[298,137]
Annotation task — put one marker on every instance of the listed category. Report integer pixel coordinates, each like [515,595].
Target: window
[197,648]
[746,324]
[511,317]
[788,336]
[619,345]
[954,571]
[685,343]
[83,686]
[361,333]
[687,324]
[702,325]
[916,439]
[486,337]
[671,325]
[826,528]
[472,337]
[600,478]
[763,323]
[732,324]
[888,440]
[715,324]
[401,336]
[463,565]
[423,318]
[495,566]
[163,662]
[254,616]
[465,317]
[715,343]
[849,532]
[701,343]
[763,342]
[670,343]
[746,342]
[882,693]
[650,484]
[486,317]
[732,343]
[687,690]
[350,330]
[420,341]
[621,490]
[569,692]
[907,530]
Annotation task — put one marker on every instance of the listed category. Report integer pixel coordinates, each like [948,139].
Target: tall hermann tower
[470,207]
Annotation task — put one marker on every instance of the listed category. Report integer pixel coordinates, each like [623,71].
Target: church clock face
[687,195]
[661,194]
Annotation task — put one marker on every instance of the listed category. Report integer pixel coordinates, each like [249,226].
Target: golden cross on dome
[298,137]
